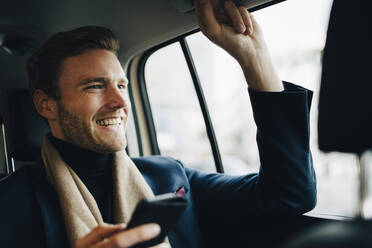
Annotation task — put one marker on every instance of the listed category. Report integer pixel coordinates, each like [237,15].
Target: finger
[162,245]
[206,17]
[131,236]
[254,22]
[223,19]
[255,25]
[246,19]
[233,12]
[99,233]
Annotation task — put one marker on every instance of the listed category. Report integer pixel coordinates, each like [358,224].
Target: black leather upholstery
[25,127]
[345,112]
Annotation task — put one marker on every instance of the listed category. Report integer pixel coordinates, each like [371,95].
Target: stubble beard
[78,133]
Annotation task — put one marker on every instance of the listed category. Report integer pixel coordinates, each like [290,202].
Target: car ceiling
[139,25]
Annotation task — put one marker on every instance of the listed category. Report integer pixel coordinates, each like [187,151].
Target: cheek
[86,107]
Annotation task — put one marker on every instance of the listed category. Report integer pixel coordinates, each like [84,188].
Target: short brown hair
[44,66]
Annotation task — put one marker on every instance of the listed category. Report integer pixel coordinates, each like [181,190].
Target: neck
[81,160]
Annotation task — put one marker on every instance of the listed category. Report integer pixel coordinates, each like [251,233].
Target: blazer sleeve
[286,181]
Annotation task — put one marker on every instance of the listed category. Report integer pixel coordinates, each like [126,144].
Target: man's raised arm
[286,181]
[236,31]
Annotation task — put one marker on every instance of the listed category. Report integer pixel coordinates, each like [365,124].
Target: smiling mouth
[110,122]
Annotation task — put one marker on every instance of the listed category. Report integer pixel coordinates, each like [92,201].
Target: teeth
[107,122]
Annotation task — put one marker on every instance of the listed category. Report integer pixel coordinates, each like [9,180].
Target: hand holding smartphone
[164,210]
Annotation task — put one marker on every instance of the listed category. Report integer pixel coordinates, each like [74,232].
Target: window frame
[134,112]
[199,92]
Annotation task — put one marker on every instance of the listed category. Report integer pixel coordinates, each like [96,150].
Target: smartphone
[164,210]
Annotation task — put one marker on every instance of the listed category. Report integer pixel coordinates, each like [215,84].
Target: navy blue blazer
[30,214]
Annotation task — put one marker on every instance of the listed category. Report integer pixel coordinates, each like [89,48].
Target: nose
[117,99]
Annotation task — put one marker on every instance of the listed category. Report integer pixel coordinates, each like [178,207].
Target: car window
[226,94]
[296,48]
[177,117]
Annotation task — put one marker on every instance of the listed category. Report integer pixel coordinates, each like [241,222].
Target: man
[85,179]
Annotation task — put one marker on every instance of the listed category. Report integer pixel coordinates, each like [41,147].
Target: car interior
[145,29]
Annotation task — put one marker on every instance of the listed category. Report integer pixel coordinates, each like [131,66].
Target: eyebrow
[100,80]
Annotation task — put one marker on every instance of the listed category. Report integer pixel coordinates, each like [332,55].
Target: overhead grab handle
[185,6]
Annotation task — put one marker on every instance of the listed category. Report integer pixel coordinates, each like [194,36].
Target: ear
[45,105]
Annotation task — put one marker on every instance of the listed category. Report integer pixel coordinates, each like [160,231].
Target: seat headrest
[25,127]
[345,109]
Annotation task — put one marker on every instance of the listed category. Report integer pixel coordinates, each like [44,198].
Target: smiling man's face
[93,109]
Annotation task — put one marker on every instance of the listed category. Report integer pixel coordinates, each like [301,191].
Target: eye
[122,86]
[94,87]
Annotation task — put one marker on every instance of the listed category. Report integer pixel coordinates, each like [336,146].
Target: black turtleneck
[94,169]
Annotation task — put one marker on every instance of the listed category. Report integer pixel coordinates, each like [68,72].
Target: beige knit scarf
[80,211]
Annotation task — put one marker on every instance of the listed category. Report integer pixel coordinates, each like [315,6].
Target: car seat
[25,129]
[345,115]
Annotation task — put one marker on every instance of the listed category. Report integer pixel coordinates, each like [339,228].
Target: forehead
[92,63]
